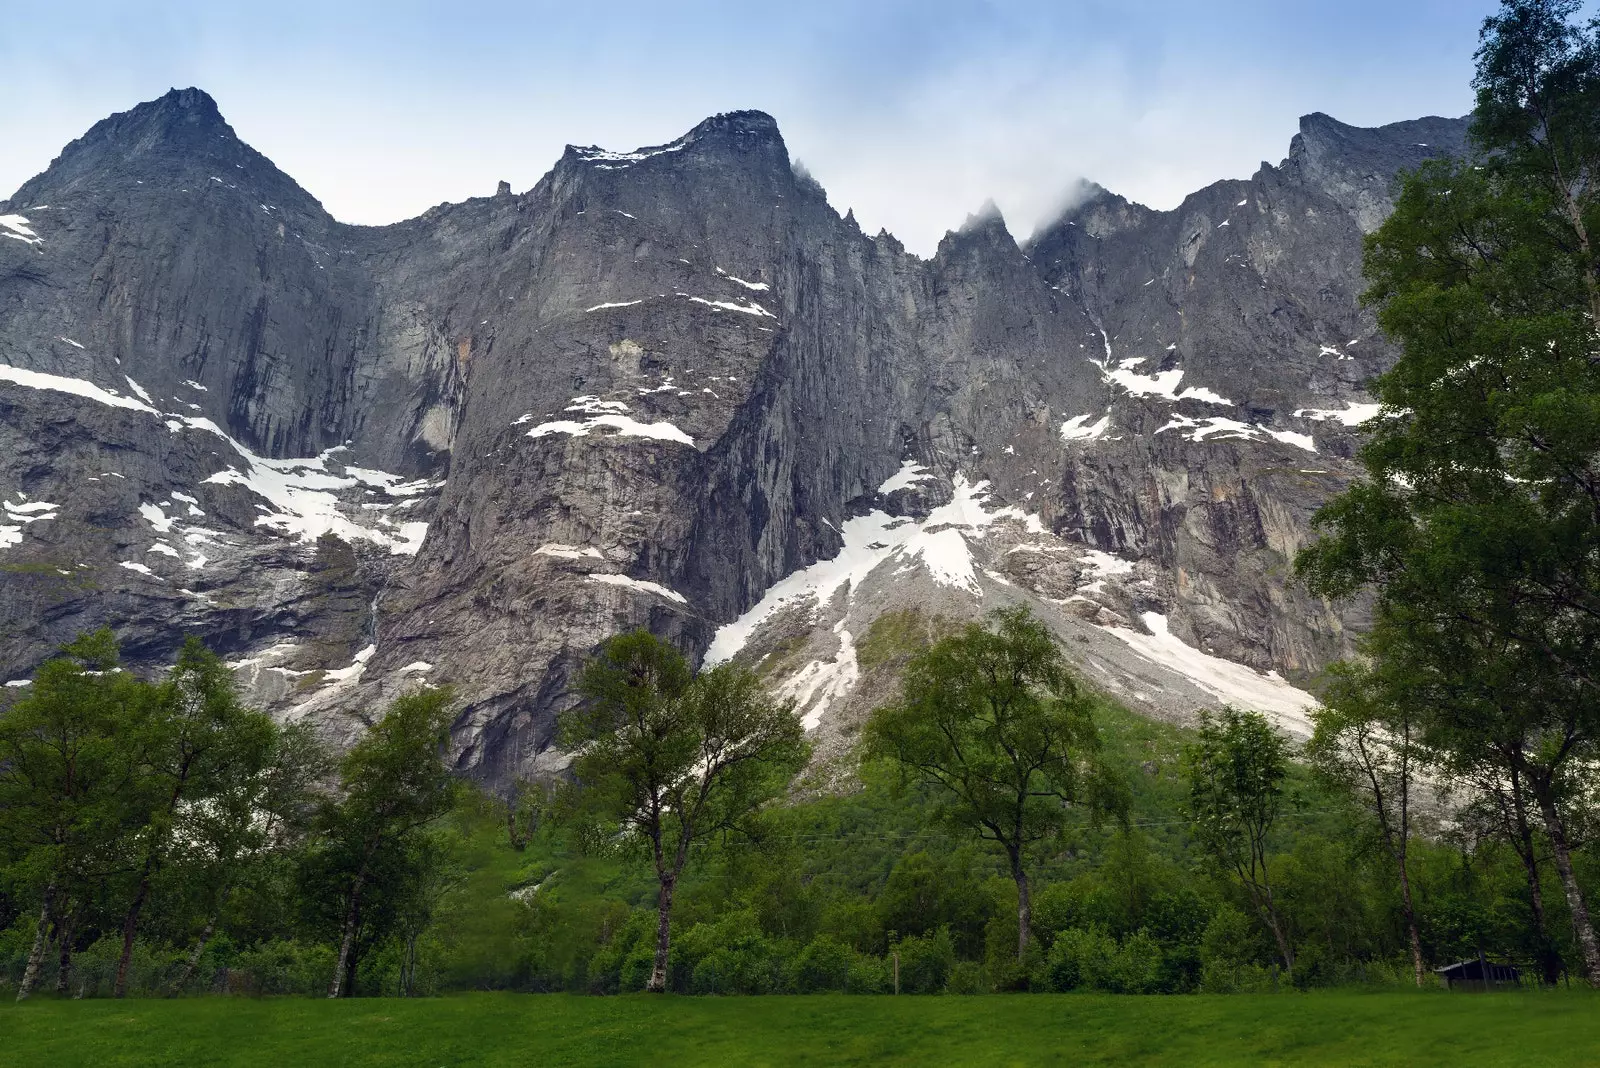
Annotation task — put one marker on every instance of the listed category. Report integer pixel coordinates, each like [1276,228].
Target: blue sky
[912,113]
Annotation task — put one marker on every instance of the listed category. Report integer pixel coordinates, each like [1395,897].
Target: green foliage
[69,777]
[993,720]
[824,966]
[1236,770]
[677,758]
[370,867]
[1476,524]
[1090,959]
[926,961]
[926,892]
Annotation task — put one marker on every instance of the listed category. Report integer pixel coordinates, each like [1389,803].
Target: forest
[1002,827]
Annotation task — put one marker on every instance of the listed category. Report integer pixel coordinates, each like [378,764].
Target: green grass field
[1526,1029]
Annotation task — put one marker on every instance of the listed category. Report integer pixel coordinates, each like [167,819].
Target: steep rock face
[652,389]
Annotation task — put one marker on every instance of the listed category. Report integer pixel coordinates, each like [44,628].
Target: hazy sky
[912,113]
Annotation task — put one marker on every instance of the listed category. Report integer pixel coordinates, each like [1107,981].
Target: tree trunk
[347,940]
[1411,918]
[30,974]
[1024,907]
[658,974]
[352,967]
[408,968]
[1269,916]
[152,861]
[64,934]
[200,945]
[130,928]
[1522,842]
[1582,927]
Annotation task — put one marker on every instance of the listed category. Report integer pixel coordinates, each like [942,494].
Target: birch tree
[677,758]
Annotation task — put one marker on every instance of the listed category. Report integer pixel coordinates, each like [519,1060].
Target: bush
[823,965]
[926,962]
[968,977]
[853,921]
[639,964]
[281,966]
[868,975]
[925,892]
[609,967]
[1090,959]
[1075,956]
[733,956]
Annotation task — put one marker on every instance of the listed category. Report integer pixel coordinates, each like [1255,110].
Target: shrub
[733,956]
[823,965]
[281,966]
[926,962]
[968,977]
[1088,958]
[606,972]
[868,975]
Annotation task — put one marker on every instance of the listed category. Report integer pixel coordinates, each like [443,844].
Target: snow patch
[727,305]
[1354,415]
[910,474]
[31,512]
[759,287]
[596,154]
[642,585]
[568,552]
[622,424]
[76,386]
[358,664]
[821,682]
[1232,683]
[304,505]
[18,227]
[155,517]
[1078,428]
[1200,429]
[939,543]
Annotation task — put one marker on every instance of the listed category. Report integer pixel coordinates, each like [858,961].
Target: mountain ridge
[468,446]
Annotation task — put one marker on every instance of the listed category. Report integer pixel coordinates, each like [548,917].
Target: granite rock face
[670,388]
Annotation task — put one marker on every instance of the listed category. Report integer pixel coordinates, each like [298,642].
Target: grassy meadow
[1527,1029]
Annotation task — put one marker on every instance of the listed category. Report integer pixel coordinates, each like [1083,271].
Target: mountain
[672,388]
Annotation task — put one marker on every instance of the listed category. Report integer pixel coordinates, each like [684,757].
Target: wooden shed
[1469,974]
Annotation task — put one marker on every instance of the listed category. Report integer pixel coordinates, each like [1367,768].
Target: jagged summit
[741,131]
[179,120]
[173,142]
[987,215]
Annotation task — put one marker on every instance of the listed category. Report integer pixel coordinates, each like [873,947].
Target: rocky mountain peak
[1357,166]
[180,121]
[731,134]
[984,229]
[176,142]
